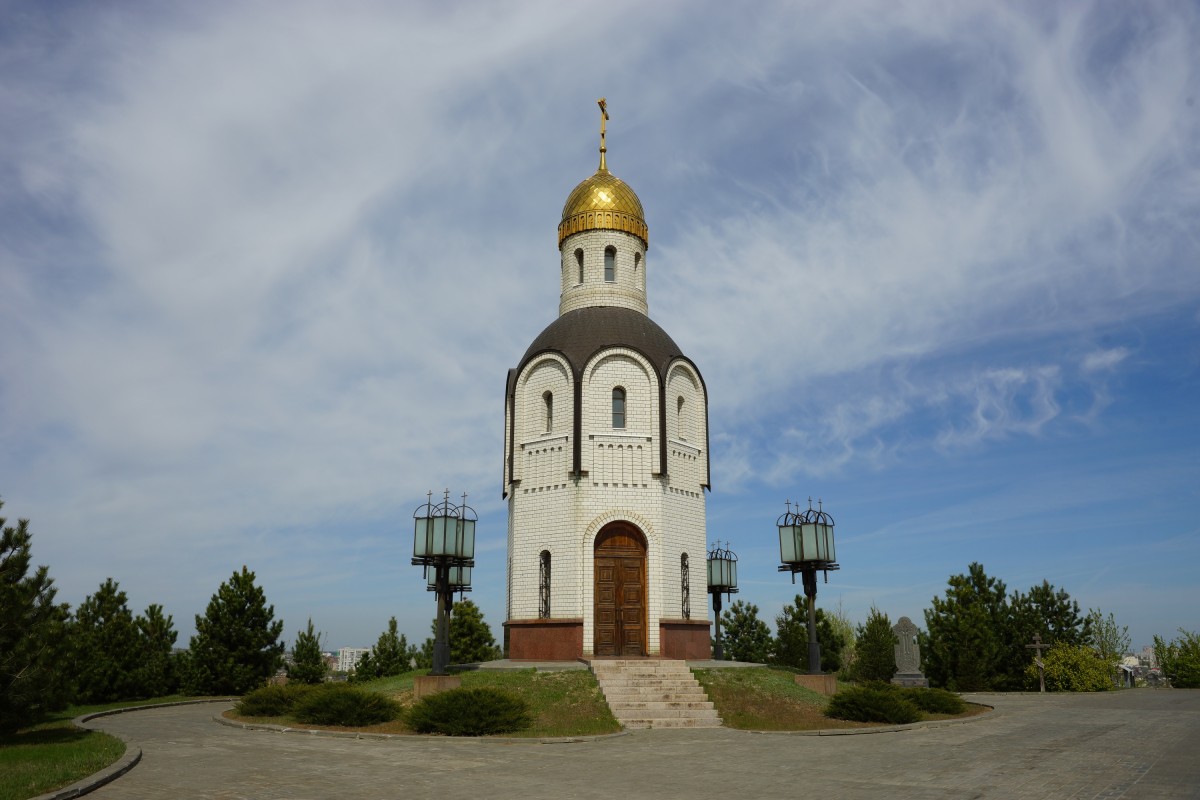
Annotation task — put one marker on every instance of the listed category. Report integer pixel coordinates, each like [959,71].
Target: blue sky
[262,273]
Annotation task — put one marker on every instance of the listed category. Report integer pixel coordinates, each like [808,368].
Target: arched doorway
[620,591]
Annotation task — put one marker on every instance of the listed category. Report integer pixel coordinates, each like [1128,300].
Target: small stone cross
[1037,659]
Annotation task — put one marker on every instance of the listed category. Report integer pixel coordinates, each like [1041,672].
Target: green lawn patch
[565,703]
[55,753]
[769,699]
[766,699]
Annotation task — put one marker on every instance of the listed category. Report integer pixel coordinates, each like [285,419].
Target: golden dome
[603,202]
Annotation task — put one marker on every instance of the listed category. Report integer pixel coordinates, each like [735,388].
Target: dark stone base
[685,639]
[910,679]
[825,684]
[544,639]
[425,685]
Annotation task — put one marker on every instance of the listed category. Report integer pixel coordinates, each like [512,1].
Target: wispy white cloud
[1104,360]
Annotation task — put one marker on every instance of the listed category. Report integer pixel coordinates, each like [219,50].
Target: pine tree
[424,655]
[308,664]
[105,647]
[32,634]
[791,640]
[157,672]
[964,648]
[745,636]
[363,669]
[875,647]
[391,654]
[236,645]
[471,640]
[1045,611]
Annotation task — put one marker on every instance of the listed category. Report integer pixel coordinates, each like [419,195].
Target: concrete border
[930,723]
[128,760]
[262,726]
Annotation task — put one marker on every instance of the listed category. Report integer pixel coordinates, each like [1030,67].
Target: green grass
[769,699]
[565,703]
[766,699]
[54,753]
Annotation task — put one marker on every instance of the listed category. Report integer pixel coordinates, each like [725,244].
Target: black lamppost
[722,579]
[805,546]
[444,540]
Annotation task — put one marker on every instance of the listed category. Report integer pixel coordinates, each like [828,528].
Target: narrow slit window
[637,262]
[579,263]
[679,417]
[685,587]
[618,407]
[548,401]
[544,585]
[610,264]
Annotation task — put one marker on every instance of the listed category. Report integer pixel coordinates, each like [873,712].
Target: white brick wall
[629,288]
[549,509]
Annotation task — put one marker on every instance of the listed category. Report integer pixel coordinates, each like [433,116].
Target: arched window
[579,263]
[544,585]
[618,407]
[610,264]
[637,262]
[679,428]
[548,400]
[685,587]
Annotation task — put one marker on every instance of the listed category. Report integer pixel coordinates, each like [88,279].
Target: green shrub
[872,704]
[272,701]
[1180,659]
[935,701]
[470,712]
[1072,668]
[344,705]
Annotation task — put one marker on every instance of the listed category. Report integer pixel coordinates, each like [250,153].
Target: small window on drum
[610,264]
[618,407]
[579,263]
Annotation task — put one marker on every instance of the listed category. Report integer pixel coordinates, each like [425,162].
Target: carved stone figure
[908,655]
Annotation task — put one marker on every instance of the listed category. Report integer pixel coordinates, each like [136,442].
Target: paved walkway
[1136,744]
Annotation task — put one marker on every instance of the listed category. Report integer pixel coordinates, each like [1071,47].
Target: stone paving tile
[1131,744]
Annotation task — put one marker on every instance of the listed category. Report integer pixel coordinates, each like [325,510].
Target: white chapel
[605,456]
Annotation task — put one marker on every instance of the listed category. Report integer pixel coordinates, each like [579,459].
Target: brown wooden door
[620,591]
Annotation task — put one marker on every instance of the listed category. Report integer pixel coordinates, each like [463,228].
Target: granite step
[654,694]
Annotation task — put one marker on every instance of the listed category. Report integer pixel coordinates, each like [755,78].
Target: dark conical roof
[580,334]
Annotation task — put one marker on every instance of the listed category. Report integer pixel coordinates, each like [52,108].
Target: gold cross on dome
[603,103]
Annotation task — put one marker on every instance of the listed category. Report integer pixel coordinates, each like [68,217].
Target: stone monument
[908,655]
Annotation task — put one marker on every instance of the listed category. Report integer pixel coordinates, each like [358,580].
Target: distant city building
[1147,657]
[348,658]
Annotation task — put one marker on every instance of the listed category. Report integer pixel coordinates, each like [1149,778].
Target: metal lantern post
[722,579]
[806,546]
[444,544]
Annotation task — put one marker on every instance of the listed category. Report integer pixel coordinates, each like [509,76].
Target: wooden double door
[620,591]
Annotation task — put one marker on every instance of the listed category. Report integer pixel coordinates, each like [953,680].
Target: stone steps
[654,694]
